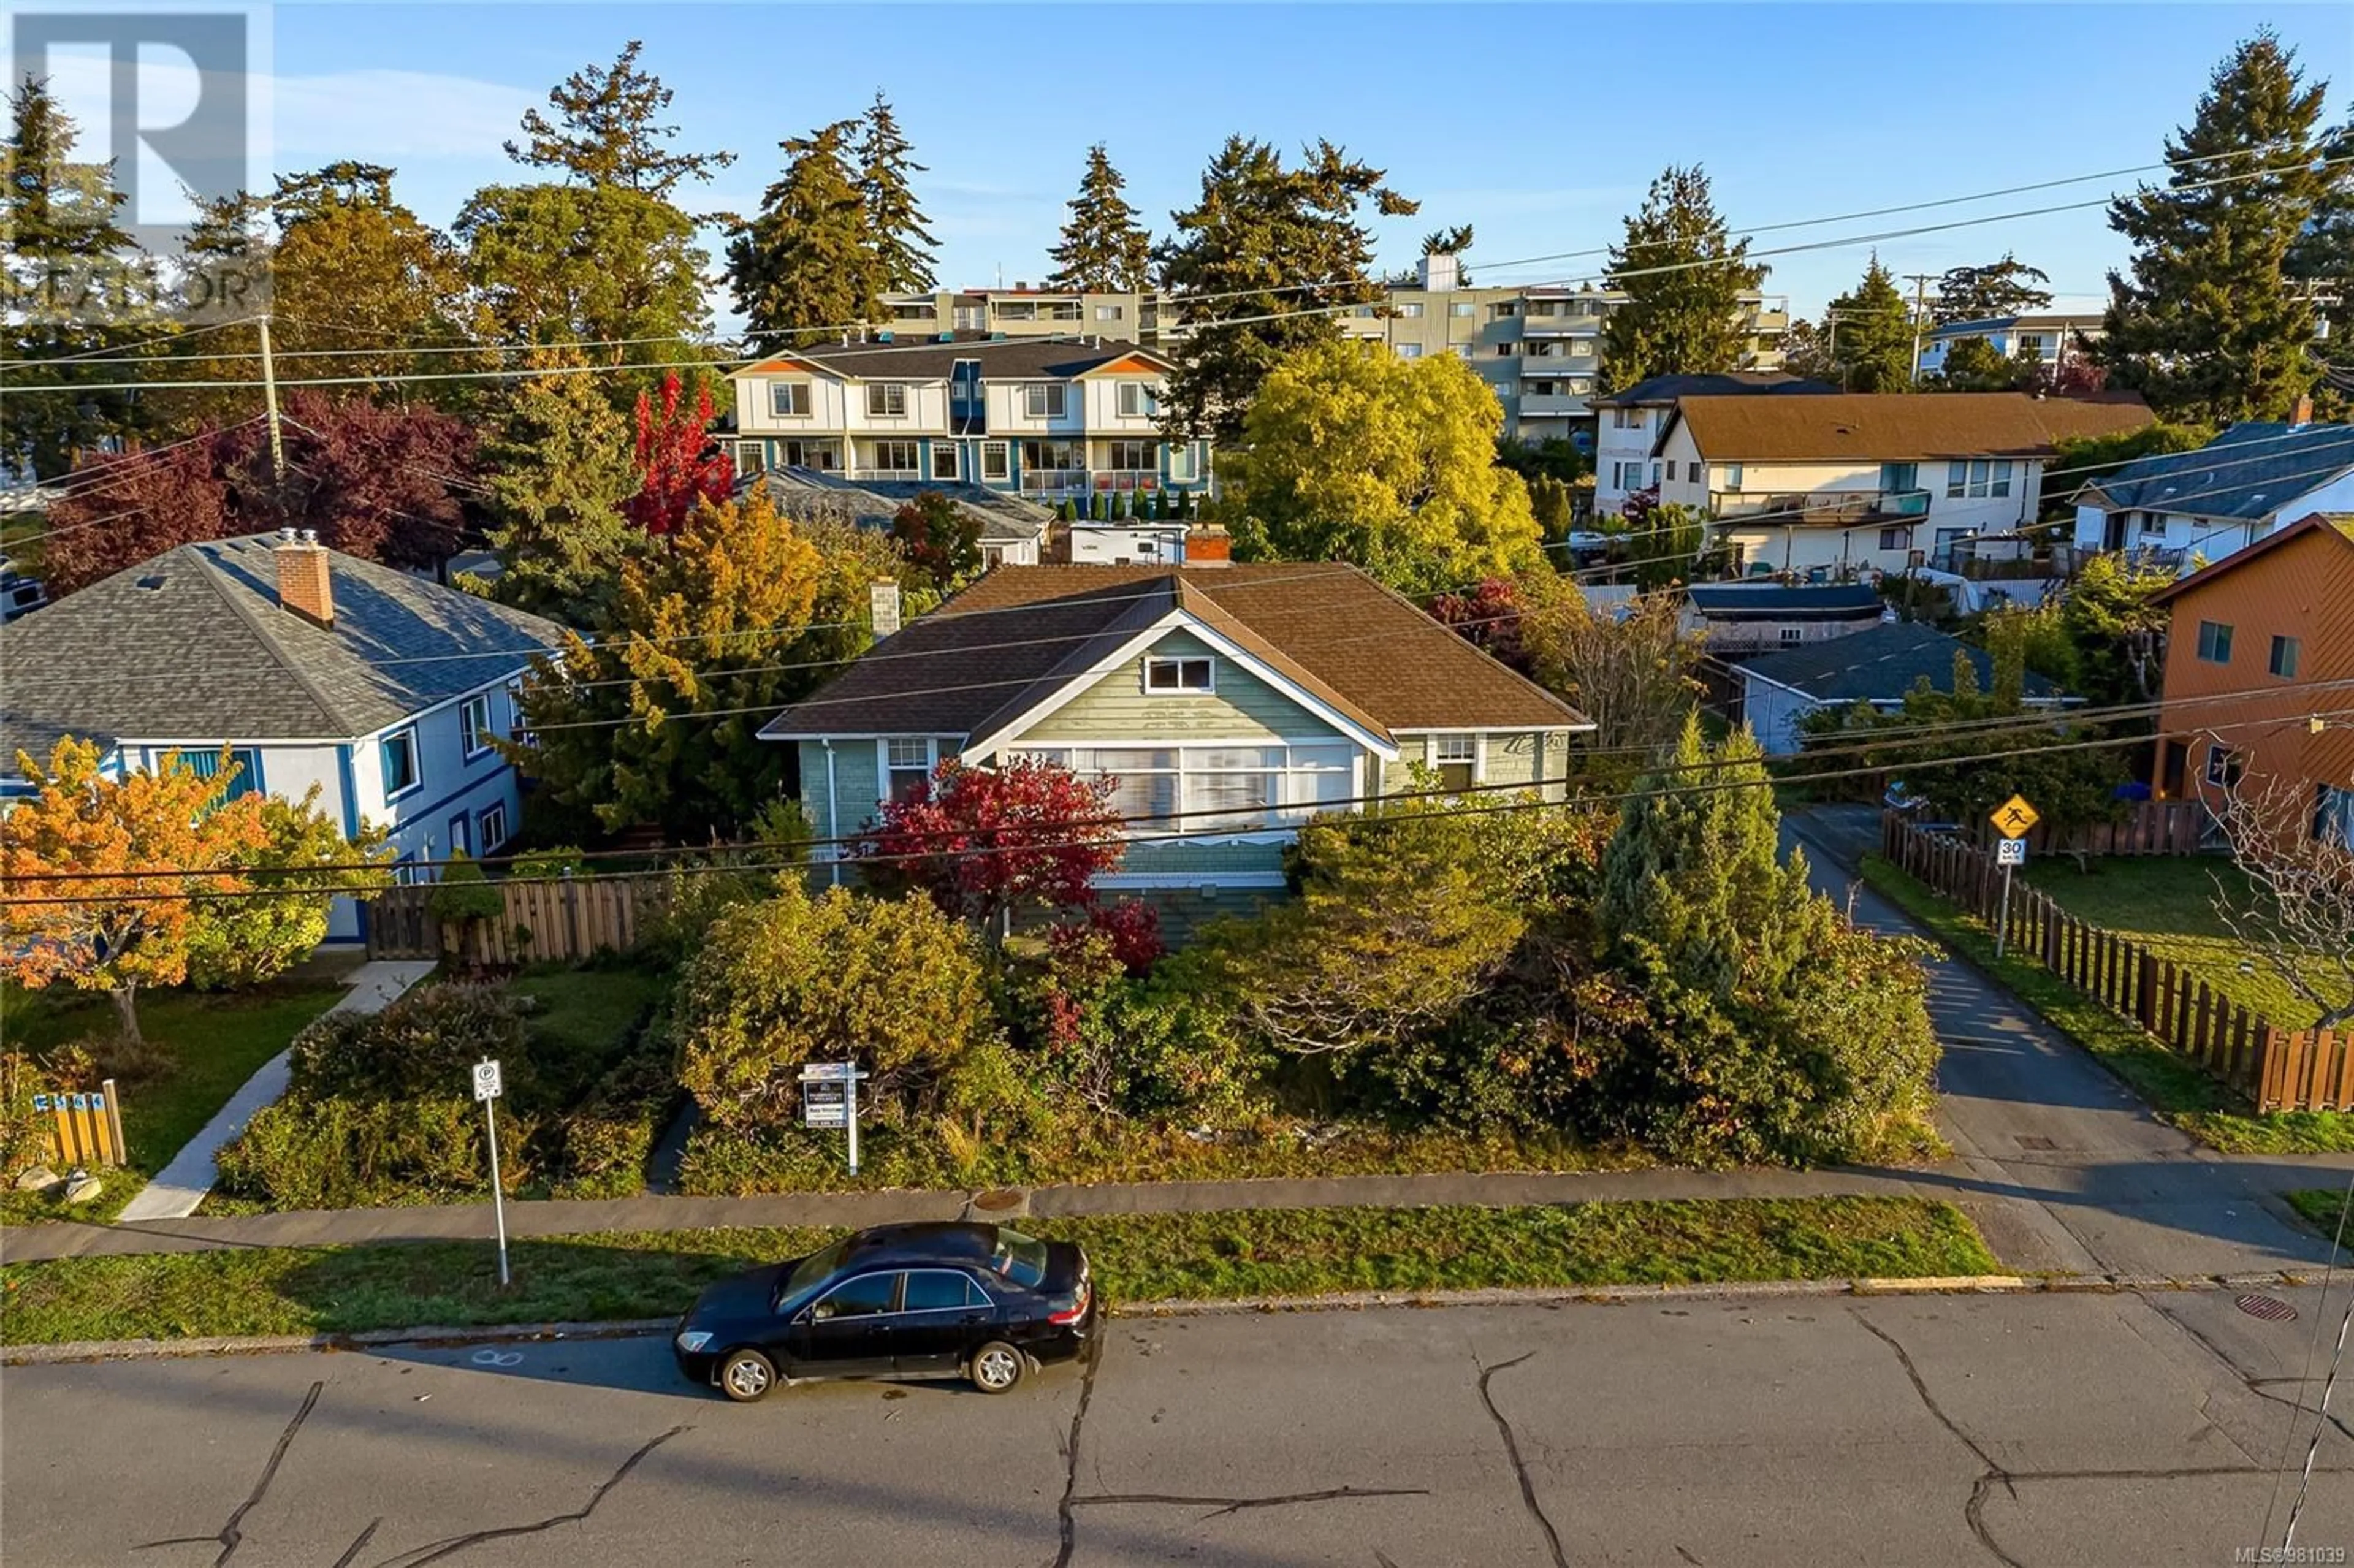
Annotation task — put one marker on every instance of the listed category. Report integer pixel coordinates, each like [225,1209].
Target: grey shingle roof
[1881,663]
[192,644]
[2252,470]
[1735,601]
[917,356]
[873,502]
[1660,389]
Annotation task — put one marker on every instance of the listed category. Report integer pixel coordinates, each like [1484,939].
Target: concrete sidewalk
[183,1184]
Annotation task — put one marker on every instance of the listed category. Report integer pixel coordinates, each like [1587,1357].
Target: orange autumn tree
[142,849]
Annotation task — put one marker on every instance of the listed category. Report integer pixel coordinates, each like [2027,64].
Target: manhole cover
[2271,1308]
[2043,1144]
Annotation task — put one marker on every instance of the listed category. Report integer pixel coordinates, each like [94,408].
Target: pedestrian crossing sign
[2014,817]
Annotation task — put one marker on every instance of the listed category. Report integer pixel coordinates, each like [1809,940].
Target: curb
[1353,1300]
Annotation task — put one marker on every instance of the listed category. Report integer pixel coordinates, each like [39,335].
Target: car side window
[868,1295]
[940,1290]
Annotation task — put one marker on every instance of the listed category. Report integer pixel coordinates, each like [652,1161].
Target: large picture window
[1191,789]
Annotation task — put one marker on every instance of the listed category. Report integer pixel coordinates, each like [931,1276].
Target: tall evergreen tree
[558,467]
[359,277]
[2207,325]
[1452,242]
[802,263]
[1104,251]
[59,241]
[2321,261]
[2006,288]
[1256,267]
[1871,335]
[894,219]
[605,131]
[586,264]
[1683,277]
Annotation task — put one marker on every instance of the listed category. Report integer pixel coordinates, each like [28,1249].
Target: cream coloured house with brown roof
[1845,483]
[1228,703]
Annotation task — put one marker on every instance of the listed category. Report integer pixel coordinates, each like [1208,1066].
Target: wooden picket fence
[2146,828]
[543,921]
[2278,1069]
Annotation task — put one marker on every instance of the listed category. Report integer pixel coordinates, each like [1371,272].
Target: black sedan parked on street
[930,1300]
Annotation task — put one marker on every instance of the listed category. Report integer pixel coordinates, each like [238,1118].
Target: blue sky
[1540,124]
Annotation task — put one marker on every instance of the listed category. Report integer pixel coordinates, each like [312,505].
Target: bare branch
[2297,916]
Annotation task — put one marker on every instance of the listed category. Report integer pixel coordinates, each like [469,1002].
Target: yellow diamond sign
[2014,817]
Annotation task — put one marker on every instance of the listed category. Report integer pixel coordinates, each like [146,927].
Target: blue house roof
[2251,470]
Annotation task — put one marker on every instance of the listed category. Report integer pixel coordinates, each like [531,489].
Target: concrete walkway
[183,1184]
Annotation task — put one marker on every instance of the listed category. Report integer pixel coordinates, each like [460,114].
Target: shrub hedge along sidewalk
[1137,1258]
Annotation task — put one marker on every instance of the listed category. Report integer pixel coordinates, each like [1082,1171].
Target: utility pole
[270,399]
[1920,313]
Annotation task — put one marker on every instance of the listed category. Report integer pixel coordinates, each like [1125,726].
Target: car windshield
[814,1268]
[1018,1259]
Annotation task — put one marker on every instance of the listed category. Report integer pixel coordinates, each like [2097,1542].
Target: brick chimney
[2302,415]
[1206,545]
[302,578]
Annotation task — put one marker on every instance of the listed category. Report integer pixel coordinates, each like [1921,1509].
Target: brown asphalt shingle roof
[1896,427]
[1006,642]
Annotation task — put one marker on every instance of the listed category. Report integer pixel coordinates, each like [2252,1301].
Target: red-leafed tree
[983,841]
[679,465]
[375,481]
[1489,617]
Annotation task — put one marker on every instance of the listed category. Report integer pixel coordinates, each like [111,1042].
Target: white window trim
[416,763]
[881,391]
[955,455]
[1144,675]
[478,745]
[496,810]
[800,388]
[1004,454]
[1478,752]
[883,768]
[1047,391]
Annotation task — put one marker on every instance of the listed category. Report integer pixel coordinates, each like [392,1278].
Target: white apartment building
[1048,418]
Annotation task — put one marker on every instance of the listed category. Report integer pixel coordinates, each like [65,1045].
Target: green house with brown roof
[1228,704]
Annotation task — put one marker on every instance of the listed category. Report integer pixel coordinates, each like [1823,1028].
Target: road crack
[1220,1506]
[1066,1522]
[1519,1467]
[1974,1510]
[434,1551]
[232,1534]
[352,1552]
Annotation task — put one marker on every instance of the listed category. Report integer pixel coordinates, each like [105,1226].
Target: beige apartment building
[1538,346]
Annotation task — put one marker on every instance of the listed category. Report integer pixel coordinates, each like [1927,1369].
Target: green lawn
[205,1046]
[2325,1209]
[2167,904]
[2179,1091]
[1137,1258]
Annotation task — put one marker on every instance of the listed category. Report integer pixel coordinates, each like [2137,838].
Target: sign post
[2011,820]
[487,1090]
[829,1099]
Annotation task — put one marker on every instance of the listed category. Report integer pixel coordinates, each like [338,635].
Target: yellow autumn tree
[1350,453]
[656,719]
[137,854]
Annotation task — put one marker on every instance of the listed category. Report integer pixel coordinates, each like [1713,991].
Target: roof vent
[154,583]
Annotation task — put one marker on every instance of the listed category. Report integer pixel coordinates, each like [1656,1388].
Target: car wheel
[996,1367]
[746,1376]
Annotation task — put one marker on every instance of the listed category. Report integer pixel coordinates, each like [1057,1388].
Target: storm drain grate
[2271,1308]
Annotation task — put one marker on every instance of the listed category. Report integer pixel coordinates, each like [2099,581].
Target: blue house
[381,689]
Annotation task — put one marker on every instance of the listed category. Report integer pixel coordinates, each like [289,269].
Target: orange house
[2260,673]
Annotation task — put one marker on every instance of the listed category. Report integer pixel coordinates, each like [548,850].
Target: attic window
[1173,676]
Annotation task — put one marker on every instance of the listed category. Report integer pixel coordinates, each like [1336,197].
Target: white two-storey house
[1852,482]
[1048,418]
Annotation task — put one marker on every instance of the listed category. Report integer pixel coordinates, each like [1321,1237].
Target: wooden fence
[2279,1069]
[2147,828]
[542,921]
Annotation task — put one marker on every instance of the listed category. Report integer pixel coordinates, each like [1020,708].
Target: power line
[1615,277]
[1147,819]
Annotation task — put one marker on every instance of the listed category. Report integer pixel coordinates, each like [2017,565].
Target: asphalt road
[1737,1434]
